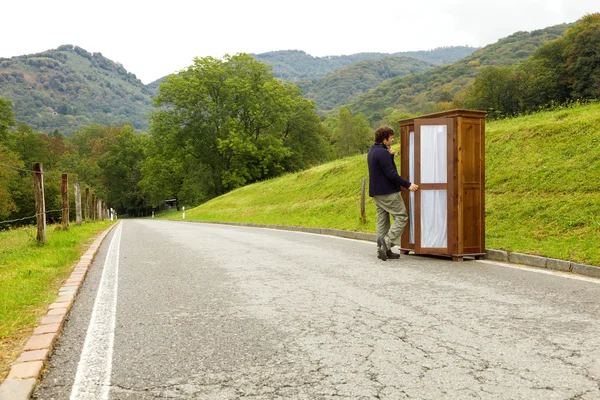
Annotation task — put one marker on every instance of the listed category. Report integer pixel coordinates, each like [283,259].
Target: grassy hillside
[542,189]
[68,87]
[421,93]
[340,87]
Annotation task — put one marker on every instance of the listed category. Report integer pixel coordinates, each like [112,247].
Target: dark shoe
[382,249]
[391,255]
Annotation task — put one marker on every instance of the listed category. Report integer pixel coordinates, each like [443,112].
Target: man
[384,187]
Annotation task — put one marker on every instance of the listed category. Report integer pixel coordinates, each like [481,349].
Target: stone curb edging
[490,254]
[543,262]
[27,368]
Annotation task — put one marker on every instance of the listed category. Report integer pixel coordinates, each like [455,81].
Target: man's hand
[391,151]
[413,187]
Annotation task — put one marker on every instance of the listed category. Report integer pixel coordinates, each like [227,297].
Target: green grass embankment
[30,277]
[542,189]
[327,196]
[543,184]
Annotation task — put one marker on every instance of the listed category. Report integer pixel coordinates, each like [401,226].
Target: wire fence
[25,218]
[98,209]
[33,216]
[20,169]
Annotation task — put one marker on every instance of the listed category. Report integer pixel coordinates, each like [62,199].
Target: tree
[7,118]
[90,144]
[305,135]
[352,135]
[162,177]
[30,146]
[22,148]
[564,69]
[540,84]
[229,123]
[121,169]
[495,89]
[582,57]
[392,116]
[7,177]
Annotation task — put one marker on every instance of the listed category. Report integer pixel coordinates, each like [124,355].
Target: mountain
[421,93]
[68,87]
[340,87]
[294,65]
[153,86]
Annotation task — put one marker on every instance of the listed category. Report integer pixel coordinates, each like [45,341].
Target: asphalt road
[181,310]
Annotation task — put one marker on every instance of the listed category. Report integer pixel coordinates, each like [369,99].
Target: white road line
[561,274]
[95,365]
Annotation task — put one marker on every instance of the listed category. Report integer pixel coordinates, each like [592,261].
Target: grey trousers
[385,205]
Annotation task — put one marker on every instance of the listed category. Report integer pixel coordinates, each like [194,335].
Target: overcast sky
[152,39]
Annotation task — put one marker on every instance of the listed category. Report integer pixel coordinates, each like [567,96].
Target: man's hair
[382,133]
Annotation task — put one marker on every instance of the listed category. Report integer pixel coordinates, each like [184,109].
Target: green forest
[341,86]
[221,124]
[296,65]
[446,87]
[67,88]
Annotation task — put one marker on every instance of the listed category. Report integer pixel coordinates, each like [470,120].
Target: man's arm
[412,187]
[388,167]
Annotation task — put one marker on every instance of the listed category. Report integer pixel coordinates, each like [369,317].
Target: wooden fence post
[65,202]
[363,217]
[77,190]
[40,204]
[87,204]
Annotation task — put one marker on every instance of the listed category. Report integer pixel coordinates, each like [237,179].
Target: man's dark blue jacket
[383,174]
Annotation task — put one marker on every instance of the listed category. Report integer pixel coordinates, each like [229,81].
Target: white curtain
[433,154]
[434,215]
[434,219]
[411,195]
